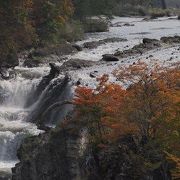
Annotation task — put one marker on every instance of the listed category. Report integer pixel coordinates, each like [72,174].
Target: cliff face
[63,154]
[54,155]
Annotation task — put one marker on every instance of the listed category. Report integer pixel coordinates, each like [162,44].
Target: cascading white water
[13,128]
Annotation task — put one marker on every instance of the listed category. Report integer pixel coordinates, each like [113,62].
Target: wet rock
[109,57]
[114,39]
[78,47]
[78,82]
[118,24]
[54,72]
[92,45]
[95,44]
[150,41]
[128,24]
[30,63]
[146,45]
[170,40]
[92,75]
[75,64]
[6,74]
[58,90]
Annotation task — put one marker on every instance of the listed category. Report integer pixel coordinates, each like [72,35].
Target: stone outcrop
[109,57]
[171,40]
[95,44]
[64,154]
[54,72]
[146,45]
[55,155]
[75,64]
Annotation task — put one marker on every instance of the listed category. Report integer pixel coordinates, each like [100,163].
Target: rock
[54,72]
[146,45]
[150,41]
[60,155]
[78,47]
[109,57]
[75,64]
[117,24]
[95,44]
[92,75]
[78,82]
[30,63]
[6,74]
[128,24]
[170,40]
[92,44]
[55,155]
[113,40]
[58,90]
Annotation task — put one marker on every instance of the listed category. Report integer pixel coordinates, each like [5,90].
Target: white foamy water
[13,127]
[134,34]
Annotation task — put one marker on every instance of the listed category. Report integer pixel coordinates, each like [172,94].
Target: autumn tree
[148,108]
[100,110]
[50,16]
[16,32]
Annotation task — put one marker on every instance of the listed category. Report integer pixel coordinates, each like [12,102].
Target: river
[15,92]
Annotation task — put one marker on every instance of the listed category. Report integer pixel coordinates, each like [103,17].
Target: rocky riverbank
[48,75]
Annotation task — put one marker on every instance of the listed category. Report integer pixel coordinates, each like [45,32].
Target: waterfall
[17,119]
[13,127]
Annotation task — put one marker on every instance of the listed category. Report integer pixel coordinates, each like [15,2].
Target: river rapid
[15,92]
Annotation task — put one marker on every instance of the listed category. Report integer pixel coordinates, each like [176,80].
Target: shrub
[95,24]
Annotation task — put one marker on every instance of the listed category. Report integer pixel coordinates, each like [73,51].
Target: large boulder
[74,64]
[55,155]
[109,57]
[78,47]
